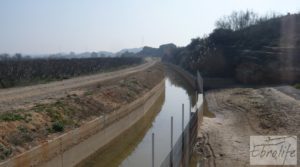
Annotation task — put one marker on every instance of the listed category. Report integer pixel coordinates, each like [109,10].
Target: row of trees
[28,71]
[17,56]
[241,19]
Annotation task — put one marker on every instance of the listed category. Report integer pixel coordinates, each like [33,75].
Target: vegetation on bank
[5,152]
[11,117]
[17,71]
[246,47]
[297,86]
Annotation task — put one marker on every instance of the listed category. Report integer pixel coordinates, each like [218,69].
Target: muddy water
[133,147]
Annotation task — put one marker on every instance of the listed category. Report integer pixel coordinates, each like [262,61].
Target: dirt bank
[27,127]
[20,97]
[240,113]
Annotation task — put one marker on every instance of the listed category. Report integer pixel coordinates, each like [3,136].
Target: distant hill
[95,54]
[80,55]
[146,51]
[132,50]
[75,55]
[267,51]
[163,50]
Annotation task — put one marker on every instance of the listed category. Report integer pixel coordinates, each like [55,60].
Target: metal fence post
[61,152]
[190,110]
[182,141]
[153,150]
[171,156]
[104,120]
[182,117]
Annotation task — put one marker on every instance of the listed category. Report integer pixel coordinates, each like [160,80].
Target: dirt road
[13,98]
[240,113]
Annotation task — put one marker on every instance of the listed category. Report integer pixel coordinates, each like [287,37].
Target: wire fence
[181,152]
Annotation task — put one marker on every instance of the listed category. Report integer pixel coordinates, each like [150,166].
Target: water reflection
[115,152]
[178,81]
[133,148]
[177,93]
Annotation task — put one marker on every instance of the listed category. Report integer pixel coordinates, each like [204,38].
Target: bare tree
[238,20]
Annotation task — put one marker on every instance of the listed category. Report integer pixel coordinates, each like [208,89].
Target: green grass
[11,117]
[88,93]
[16,115]
[60,114]
[297,86]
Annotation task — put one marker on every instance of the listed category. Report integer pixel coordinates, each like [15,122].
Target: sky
[52,26]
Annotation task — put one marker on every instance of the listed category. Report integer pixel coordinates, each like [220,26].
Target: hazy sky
[50,26]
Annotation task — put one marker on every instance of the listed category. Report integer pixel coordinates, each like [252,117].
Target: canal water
[134,147]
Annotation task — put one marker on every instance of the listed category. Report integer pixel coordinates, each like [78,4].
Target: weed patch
[4,152]
[11,117]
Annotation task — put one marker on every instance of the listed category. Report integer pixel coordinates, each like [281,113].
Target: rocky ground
[32,123]
[240,113]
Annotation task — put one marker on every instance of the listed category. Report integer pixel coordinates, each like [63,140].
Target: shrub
[297,86]
[21,137]
[58,127]
[4,152]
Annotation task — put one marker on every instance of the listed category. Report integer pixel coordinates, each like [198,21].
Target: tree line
[238,20]
[247,48]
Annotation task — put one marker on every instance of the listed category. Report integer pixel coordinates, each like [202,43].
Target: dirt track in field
[240,113]
[14,98]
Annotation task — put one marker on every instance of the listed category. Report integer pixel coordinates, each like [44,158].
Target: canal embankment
[90,110]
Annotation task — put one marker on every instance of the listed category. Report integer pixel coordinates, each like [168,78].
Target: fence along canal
[181,151]
[138,152]
[176,93]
